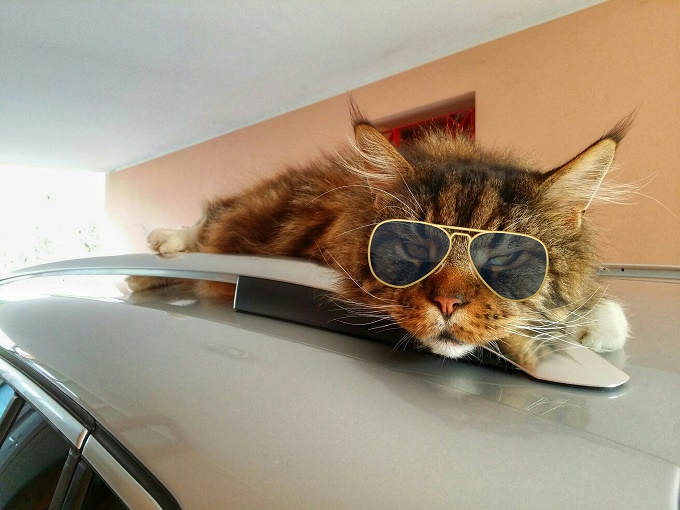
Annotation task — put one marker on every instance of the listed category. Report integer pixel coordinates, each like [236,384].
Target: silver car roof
[233,409]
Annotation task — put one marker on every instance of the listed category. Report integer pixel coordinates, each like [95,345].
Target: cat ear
[572,187]
[383,166]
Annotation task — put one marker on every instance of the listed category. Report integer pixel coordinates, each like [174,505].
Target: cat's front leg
[165,241]
[142,283]
[169,240]
[523,350]
[606,328]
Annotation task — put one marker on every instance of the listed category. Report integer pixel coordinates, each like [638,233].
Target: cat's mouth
[447,336]
[448,345]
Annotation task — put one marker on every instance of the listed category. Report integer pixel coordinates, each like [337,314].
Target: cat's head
[452,182]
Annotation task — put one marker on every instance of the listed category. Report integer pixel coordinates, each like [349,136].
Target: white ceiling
[102,85]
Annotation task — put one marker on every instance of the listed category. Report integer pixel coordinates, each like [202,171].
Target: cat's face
[447,182]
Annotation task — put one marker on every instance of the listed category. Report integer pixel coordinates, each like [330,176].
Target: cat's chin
[448,348]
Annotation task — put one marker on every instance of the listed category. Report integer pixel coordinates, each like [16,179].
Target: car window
[100,497]
[6,393]
[31,459]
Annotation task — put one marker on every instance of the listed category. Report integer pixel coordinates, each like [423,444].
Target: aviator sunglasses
[403,252]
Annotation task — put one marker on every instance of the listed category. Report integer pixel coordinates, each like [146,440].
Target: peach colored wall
[548,92]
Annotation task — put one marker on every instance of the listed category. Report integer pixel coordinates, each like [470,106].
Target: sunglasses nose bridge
[456,253]
[466,237]
[459,234]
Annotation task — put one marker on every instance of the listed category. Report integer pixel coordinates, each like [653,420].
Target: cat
[327,210]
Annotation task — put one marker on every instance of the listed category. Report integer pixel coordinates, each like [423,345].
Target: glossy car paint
[230,409]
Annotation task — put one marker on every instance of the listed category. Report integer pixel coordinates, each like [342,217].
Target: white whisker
[336,189]
[354,280]
[356,228]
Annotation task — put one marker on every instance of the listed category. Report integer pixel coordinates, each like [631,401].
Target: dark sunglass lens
[513,265]
[403,252]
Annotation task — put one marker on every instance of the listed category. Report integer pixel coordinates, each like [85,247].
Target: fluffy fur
[326,211]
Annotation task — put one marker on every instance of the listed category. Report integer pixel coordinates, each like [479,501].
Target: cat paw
[521,350]
[168,240]
[141,283]
[609,329]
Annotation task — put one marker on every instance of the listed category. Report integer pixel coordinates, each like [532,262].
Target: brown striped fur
[326,212]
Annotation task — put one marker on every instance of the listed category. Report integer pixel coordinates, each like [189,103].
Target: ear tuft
[621,128]
[356,115]
[381,161]
[572,187]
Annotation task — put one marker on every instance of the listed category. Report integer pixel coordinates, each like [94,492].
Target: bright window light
[48,215]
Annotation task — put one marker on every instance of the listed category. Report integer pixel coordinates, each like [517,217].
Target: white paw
[609,328]
[166,240]
[169,240]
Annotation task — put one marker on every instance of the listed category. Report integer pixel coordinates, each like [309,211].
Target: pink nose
[448,304]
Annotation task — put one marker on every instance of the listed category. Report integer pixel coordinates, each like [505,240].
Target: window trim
[129,480]
[121,482]
[61,420]
[48,386]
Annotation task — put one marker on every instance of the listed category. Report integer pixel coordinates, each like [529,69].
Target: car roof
[228,407]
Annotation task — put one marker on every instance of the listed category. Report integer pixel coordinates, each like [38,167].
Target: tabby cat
[445,272]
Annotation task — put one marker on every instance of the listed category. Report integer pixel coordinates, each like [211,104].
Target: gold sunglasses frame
[462,232]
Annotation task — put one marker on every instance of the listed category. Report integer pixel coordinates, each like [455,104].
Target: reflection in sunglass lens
[513,265]
[403,252]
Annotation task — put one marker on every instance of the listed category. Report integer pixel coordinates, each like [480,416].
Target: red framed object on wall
[456,123]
